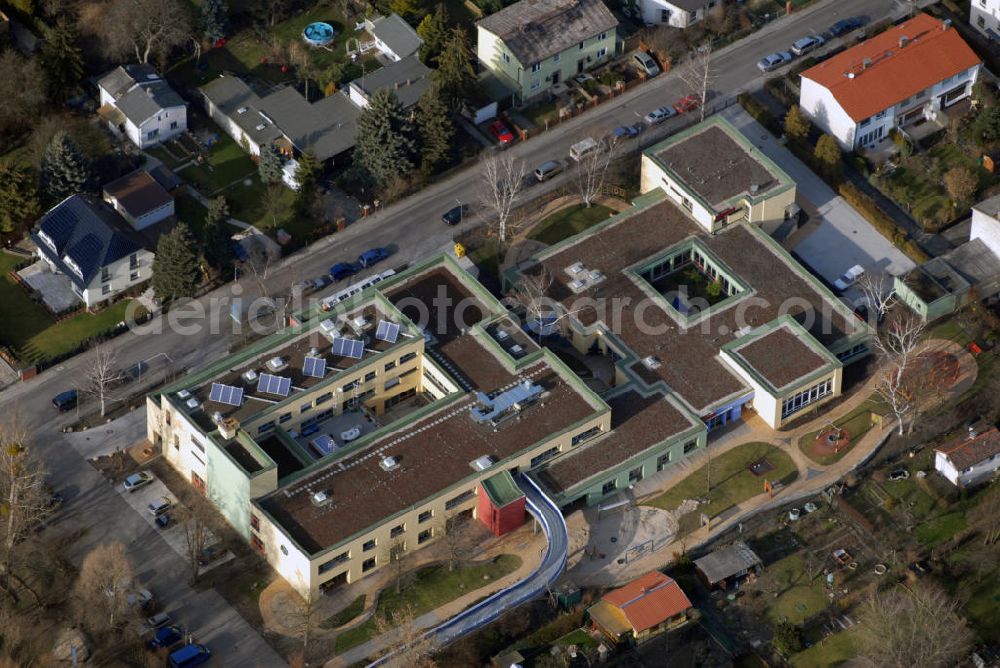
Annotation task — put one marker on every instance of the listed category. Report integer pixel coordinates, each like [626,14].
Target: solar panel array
[387,331]
[226,394]
[349,348]
[278,385]
[314,367]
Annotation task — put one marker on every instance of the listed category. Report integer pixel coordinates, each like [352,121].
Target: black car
[454,215]
[845,26]
[65,401]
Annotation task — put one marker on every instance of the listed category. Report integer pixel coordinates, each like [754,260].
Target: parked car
[807,44]
[167,636]
[210,554]
[239,252]
[625,132]
[686,104]
[547,170]
[658,115]
[188,656]
[454,215]
[65,401]
[342,270]
[158,620]
[373,256]
[137,480]
[320,282]
[502,134]
[774,61]
[159,506]
[582,148]
[141,599]
[162,521]
[844,26]
[645,63]
[849,278]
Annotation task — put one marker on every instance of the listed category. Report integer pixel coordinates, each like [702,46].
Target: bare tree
[458,539]
[406,645]
[985,515]
[897,343]
[144,28]
[396,555]
[591,169]
[698,74]
[905,627]
[102,374]
[24,501]
[878,292]
[105,581]
[304,620]
[197,537]
[503,178]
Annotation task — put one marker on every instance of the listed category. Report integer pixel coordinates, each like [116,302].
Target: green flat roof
[502,489]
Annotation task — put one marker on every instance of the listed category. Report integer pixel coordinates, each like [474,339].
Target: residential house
[140,199]
[393,37]
[674,13]
[140,105]
[727,565]
[640,610]
[533,45]
[984,16]
[947,282]
[972,458]
[93,247]
[407,79]
[906,74]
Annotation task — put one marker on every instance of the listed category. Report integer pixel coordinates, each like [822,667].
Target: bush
[759,113]
[787,638]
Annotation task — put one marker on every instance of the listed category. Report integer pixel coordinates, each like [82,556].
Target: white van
[582,148]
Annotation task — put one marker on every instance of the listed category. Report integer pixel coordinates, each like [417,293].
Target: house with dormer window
[139,104]
[90,244]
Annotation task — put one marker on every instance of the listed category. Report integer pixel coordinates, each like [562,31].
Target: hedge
[881,221]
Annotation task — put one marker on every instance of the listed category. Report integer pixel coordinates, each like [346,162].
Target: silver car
[807,44]
[659,115]
[137,480]
[774,61]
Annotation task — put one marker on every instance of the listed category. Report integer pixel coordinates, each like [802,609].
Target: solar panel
[314,367]
[278,385]
[226,394]
[387,331]
[348,348]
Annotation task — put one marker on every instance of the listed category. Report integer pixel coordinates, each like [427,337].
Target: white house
[984,16]
[986,223]
[907,73]
[93,247]
[392,36]
[674,13]
[140,199]
[137,103]
[973,458]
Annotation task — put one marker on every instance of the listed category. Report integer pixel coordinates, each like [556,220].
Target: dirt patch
[831,441]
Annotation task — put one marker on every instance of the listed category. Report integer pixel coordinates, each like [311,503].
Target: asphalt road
[413,228]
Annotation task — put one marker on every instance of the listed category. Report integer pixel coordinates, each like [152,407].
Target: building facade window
[254,522]
[370,376]
[397,530]
[635,475]
[266,427]
[602,52]
[105,274]
[390,365]
[284,550]
[305,408]
[106,289]
[690,446]
[662,461]
[460,499]
[536,67]
[133,277]
[535,84]
[425,516]
[336,561]
[555,58]
[407,357]
[602,36]
[370,545]
[285,417]
[367,565]
[424,536]
[323,398]
[802,399]
[609,487]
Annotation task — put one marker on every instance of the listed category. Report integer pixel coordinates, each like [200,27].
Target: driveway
[841,237]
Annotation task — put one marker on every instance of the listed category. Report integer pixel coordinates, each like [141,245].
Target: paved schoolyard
[842,238]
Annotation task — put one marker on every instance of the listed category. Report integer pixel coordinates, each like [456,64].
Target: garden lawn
[66,335]
[798,599]
[569,221]
[940,529]
[190,211]
[981,609]
[857,423]
[539,113]
[431,588]
[579,637]
[21,318]
[224,164]
[950,330]
[732,482]
[829,652]
[353,609]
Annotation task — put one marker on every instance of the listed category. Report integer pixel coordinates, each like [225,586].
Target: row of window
[636,474]
[799,401]
[535,67]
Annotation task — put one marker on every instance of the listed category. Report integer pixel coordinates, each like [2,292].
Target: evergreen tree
[434,130]
[407,9]
[271,165]
[454,74]
[217,246]
[433,29]
[19,207]
[307,181]
[61,60]
[64,170]
[215,19]
[385,144]
[175,267]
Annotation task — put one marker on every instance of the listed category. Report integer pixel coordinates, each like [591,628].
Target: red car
[500,131]
[686,103]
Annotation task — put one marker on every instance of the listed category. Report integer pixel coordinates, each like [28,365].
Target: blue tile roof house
[93,247]
[137,103]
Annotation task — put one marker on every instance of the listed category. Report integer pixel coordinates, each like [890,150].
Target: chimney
[945,24]
[866,63]
[903,41]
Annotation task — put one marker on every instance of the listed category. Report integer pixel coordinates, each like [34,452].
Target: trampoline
[318,34]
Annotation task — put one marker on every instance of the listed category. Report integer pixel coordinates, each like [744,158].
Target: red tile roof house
[641,609]
[907,73]
[972,458]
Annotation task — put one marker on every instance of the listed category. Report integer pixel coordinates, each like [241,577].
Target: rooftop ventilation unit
[754,188]
[320,498]
[502,335]
[506,403]
[260,127]
[516,350]
[192,403]
[596,276]
[359,323]
[241,110]
[249,375]
[217,417]
[183,394]
[228,427]
[328,326]
[574,268]
[482,463]
[577,285]
[276,363]
[314,351]
[651,362]
[389,463]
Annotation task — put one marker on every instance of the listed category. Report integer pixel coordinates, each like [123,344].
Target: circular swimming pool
[318,34]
